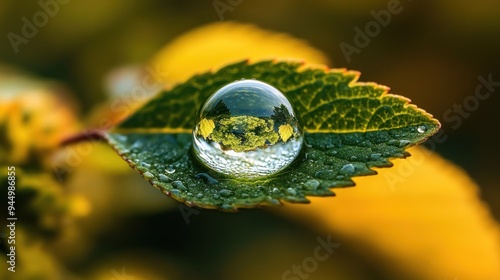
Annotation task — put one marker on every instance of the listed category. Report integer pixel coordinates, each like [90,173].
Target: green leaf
[349,127]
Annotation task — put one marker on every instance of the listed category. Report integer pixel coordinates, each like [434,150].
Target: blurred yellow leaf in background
[36,116]
[218,44]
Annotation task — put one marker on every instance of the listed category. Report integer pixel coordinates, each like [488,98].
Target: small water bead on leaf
[348,168]
[422,129]
[247,129]
[148,175]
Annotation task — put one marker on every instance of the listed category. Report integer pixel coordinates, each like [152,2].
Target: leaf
[349,127]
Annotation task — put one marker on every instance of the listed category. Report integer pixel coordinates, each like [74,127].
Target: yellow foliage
[218,44]
[285,131]
[206,127]
[42,264]
[36,120]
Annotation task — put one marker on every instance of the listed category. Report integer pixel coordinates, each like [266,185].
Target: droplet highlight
[348,169]
[247,129]
[421,129]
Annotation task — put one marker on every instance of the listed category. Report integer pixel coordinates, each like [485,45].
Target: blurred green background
[431,52]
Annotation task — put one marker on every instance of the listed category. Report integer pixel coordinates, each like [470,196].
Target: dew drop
[170,169]
[226,207]
[207,178]
[348,168]
[272,201]
[148,175]
[120,137]
[393,142]
[331,152]
[137,145]
[247,129]
[403,143]
[175,192]
[421,129]
[312,184]
[291,191]
[375,156]
[164,178]
[179,185]
[225,192]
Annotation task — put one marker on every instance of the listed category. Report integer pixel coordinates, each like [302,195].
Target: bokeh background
[84,214]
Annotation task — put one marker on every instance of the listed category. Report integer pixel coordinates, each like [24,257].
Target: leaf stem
[86,135]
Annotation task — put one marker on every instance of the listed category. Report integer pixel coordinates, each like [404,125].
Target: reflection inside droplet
[247,129]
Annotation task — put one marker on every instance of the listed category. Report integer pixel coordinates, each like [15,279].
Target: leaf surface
[349,127]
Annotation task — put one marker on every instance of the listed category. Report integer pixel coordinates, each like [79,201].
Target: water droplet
[403,143]
[393,142]
[175,192]
[421,128]
[312,184]
[200,195]
[164,178]
[273,201]
[170,169]
[207,178]
[354,157]
[145,164]
[348,168]
[312,156]
[276,190]
[244,195]
[179,185]
[291,191]
[324,174]
[375,156]
[227,207]
[247,129]
[148,175]
[137,145]
[120,137]
[331,152]
[225,192]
